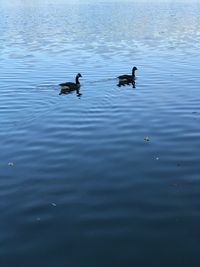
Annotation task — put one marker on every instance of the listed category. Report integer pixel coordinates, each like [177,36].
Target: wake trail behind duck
[102,80]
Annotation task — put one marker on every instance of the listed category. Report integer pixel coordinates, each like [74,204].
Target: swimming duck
[70,86]
[128,77]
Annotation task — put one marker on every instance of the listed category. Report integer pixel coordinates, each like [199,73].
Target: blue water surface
[109,177]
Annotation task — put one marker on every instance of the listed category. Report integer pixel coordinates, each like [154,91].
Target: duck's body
[70,86]
[127,77]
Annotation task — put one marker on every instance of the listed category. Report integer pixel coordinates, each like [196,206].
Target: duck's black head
[79,75]
[134,69]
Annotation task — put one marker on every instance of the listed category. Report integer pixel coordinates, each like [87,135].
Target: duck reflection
[66,91]
[126,82]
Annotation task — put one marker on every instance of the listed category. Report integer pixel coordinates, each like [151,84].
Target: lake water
[79,185]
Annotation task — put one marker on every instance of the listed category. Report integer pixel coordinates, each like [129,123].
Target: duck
[127,77]
[70,86]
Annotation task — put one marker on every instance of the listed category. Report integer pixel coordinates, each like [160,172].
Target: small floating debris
[157,158]
[147,139]
[38,219]
[11,164]
[53,204]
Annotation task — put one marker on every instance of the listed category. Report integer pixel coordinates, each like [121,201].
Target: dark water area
[111,177]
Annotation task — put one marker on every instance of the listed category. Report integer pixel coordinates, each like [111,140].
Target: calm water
[79,185]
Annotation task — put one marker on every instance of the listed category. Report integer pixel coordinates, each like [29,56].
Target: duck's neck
[133,73]
[77,80]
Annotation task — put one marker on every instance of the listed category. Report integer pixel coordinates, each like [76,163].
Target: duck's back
[125,77]
[67,84]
